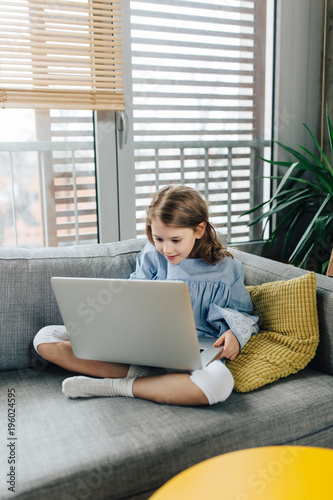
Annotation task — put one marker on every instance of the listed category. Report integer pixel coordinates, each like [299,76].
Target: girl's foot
[85,387]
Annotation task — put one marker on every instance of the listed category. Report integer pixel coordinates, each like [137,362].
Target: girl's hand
[230,345]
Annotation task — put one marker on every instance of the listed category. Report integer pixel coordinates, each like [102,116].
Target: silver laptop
[140,322]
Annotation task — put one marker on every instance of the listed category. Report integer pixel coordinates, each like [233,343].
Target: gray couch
[55,448]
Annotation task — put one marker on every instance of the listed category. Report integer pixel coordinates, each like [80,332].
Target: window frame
[115,156]
[297,54]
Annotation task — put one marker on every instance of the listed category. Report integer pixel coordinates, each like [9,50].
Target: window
[64,61]
[200,92]
[48,193]
[198,89]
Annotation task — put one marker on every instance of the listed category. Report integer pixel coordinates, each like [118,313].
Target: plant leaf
[294,152]
[329,167]
[305,259]
[330,130]
[307,233]
[320,230]
[324,266]
[275,162]
[318,170]
[284,180]
[290,234]
[257,207]
[289,200]
[313,156]
[322,174]
[296,179]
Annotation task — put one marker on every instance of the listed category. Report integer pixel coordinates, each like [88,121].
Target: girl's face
[175,243]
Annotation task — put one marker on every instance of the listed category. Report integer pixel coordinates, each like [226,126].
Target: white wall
[298,71]
[296,81]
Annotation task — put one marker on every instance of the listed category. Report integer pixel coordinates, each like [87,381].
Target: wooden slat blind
[63,55]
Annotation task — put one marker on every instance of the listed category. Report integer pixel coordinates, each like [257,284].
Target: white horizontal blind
[64,54]
[199,84]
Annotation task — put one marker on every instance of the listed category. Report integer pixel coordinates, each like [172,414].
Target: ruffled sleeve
[236,314]
[148,264]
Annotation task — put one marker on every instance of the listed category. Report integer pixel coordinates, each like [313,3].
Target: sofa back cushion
[27,301]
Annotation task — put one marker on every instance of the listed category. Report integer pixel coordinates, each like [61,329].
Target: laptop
[143,322]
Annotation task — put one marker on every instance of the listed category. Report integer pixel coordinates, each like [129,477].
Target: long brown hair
[182,206]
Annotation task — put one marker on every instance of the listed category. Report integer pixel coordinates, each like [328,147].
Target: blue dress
[219,298]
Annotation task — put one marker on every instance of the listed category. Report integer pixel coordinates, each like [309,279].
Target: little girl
[182,245]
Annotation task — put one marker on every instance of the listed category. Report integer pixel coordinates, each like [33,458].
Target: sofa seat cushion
[121,448]
[289,333]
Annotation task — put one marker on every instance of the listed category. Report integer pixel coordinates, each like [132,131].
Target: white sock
[85,387]
[137,371]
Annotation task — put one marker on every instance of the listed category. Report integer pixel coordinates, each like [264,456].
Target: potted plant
[304,197]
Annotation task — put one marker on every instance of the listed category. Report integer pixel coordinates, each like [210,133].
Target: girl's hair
[182,206]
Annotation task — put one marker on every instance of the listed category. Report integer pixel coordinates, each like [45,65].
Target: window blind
[199,104]
[63,55]
[198,69]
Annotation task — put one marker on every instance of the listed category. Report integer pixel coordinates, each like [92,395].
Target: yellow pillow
[288,337]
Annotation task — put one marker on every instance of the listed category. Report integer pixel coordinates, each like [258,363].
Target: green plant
[304,196]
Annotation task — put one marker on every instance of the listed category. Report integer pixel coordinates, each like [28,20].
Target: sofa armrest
[260,270]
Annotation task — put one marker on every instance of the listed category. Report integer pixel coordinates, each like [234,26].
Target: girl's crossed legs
[209,385]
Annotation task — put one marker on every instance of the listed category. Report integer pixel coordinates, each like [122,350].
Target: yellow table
[268,473]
